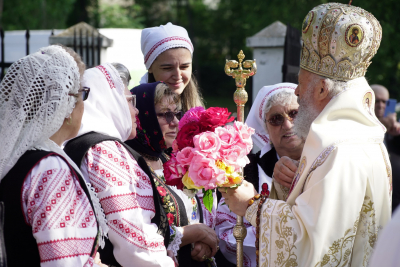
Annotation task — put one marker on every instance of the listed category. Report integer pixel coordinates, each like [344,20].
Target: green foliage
[116,16]
[35,14]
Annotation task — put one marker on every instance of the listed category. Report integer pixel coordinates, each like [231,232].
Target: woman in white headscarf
[49,212]
[167,52]
[271,116]
[138,228]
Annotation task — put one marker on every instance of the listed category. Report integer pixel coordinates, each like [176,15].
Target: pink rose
[244,133]
[209,143]
[192,115]
[214,117]
[184,157]
[204,172]
[173,172]
[234,156]
[227,135]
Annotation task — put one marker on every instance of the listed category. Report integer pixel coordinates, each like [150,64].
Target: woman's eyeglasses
[170,115]
[131,99]
[84,93]
[279,119]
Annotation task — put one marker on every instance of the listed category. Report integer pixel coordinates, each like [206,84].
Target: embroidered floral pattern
[169,203]
[340,252]
[162,191]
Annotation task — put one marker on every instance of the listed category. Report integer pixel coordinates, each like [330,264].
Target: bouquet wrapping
[208,153]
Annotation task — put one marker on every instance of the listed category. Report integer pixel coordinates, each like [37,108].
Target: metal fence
[87,45]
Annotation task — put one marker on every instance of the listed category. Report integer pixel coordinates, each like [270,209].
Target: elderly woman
[138,227]
[159,114]
[167,52]
[49,212]
[272,117]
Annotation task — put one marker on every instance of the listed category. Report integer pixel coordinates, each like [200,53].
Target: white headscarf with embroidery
[156,40]
[106,109]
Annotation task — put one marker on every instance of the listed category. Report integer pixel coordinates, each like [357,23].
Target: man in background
[390,121]
[392,138]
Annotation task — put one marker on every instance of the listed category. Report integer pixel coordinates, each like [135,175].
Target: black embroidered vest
[21,246]
[77,149]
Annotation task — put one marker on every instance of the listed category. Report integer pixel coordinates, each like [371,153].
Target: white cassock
[341,196]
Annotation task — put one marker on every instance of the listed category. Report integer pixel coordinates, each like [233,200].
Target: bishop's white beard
[305,116]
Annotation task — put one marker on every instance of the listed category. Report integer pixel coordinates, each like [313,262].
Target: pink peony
[192,115]
[244,135]
[173,172]
[227,135]
[204,172]
[184,157]
[208,143]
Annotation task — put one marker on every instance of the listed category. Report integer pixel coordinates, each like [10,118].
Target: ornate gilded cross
[240,97]
[240,75]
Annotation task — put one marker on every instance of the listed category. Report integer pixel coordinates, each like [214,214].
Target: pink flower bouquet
[207,153]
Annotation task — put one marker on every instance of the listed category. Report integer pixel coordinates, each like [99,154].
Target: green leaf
[208,199]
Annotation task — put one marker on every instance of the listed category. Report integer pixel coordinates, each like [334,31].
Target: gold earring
[69,120]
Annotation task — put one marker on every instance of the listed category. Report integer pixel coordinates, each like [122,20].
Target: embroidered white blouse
[126,197]
[62,220]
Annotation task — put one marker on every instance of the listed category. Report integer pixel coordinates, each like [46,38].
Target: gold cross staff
[240,97]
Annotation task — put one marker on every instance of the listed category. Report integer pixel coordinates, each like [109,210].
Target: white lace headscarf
[34,102]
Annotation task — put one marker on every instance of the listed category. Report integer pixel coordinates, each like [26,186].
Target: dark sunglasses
[131,99]
[169,115]
[279,119]
[85,93]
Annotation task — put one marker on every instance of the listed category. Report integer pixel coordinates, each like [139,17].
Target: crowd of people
[88,156]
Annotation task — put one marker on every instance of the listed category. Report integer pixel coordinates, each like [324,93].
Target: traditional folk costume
[341,194]
[180,209]
[259,172]
[49,209]
[137,225]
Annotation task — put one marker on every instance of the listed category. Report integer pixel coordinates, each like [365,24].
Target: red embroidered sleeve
[126,197]
[62,220]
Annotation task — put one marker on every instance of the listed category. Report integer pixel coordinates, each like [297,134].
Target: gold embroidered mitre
[339,41]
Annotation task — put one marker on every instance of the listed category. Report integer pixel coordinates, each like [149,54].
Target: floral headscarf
[149,139]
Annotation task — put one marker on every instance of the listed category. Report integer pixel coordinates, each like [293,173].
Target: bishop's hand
[284,171]
[238,199]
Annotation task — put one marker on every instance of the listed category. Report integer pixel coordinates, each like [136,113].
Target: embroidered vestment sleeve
[126,197]
[62,220]
[225,222]
[278,191]
[335,221]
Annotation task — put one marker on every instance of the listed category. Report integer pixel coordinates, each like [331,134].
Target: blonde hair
[162,90]
[190,97]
